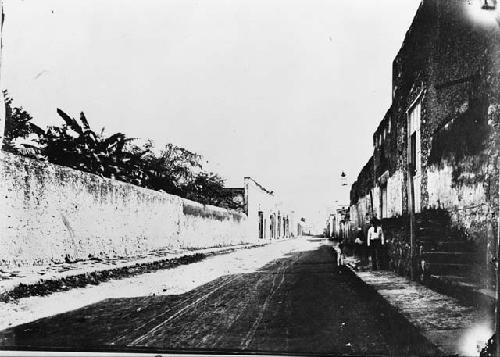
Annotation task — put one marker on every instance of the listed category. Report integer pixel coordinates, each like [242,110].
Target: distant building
[267,215]
[266,212]
[339,224]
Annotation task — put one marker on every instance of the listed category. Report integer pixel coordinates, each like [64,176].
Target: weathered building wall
[447,74]
[50,213]
[376,202]
[395,185]
[467,203]
[362,202]
[360,211]
[459,146]
[445,64]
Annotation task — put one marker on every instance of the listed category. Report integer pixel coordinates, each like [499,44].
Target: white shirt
[375,234]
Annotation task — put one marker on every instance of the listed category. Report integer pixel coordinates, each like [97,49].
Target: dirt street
[301,302]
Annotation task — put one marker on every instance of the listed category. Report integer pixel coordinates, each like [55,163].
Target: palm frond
[70,122]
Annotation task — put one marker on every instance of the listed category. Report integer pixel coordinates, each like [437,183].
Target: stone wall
[397,237]
[50,213]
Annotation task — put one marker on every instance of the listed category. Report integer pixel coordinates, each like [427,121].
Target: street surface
[301,302]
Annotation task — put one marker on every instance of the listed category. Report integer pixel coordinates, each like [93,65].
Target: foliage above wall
[18,126]
[74,144]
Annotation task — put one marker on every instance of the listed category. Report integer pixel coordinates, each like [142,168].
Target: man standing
[375,241]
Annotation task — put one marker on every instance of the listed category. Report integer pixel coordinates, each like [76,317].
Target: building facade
[266,213]
[439,136]
[339,224]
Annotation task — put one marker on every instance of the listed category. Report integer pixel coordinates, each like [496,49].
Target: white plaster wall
[353,214]
[442,192]
[395,194]
[466,203]
[376,201]
[358,212]
[259,200]
[49,212]
[213,226]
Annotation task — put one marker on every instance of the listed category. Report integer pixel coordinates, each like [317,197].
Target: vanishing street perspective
[250,177]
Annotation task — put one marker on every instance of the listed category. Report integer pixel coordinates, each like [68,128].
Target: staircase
[443,252]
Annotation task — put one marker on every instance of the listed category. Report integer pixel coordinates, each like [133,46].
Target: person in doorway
[375,242]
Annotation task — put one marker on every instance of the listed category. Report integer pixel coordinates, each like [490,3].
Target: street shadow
[301,303]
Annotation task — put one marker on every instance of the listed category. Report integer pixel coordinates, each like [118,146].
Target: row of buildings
[267,215]
[436,149]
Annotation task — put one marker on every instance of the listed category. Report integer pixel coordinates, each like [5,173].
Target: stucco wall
[376,202]
[395,194]
[467,203]
[53,213]
[360,211]
[203,226]
[258,200]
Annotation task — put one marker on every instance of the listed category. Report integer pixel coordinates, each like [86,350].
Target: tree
[172,170]
[18,125]
[207,188]
[76,145]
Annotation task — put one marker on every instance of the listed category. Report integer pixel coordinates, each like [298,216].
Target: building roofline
[385,119]
[259,185]
[410,29]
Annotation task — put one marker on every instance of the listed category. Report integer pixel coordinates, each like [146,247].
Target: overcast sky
[288,92]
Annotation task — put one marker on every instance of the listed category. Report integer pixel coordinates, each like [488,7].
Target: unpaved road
[299,303]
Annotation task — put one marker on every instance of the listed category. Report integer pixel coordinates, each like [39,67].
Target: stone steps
[431,245]
[444,252]
[444,257]
[455,269]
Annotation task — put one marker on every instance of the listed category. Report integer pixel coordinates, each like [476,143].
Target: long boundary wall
[50,213]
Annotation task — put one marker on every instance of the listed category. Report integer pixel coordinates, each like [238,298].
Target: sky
[288,92]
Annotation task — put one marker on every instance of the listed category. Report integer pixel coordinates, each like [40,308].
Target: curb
[43,287]
[397,320]
[466,294]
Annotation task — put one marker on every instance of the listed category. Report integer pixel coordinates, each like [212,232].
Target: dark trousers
[376,253]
